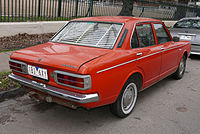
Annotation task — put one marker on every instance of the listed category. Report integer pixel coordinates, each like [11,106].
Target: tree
[127,8]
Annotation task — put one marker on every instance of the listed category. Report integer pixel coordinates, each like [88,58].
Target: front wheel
[126,100]
[181,69]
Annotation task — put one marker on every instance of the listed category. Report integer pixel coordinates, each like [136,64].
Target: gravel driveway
[169,107]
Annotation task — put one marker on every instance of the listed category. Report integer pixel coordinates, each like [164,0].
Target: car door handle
[139,54]
[162,48]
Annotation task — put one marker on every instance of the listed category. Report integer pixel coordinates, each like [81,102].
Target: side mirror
[176,39]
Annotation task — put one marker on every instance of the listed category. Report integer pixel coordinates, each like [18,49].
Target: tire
[126,101]
[181,69]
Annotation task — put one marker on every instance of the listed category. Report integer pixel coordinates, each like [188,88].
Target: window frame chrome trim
[123,37]
[50,40]
[73,75]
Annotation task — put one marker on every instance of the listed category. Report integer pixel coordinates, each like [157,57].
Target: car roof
[118,19]
[190,18]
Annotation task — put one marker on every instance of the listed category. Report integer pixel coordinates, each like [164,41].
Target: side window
[134,40]
[145,33]
[161,34]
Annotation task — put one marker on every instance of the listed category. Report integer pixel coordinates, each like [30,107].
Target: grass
[7,50]
[35,18]
[6,83]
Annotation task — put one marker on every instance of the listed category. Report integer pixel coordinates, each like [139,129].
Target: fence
[168,10]
[47,10]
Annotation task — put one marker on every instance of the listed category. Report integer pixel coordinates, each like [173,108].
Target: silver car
[188,29]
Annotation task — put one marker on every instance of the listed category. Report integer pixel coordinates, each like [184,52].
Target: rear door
[169,50]
[149,54]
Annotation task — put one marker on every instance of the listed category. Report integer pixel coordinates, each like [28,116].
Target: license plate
[185,37]
[38,72]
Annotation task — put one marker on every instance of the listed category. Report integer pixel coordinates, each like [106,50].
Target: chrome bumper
[195,49]
[195,53]
[75,97]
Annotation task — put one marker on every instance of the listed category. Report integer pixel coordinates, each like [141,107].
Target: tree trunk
[127,8]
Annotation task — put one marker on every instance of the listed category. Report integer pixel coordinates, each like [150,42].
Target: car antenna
[142,11]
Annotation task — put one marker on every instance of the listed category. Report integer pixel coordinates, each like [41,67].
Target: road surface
[169,107]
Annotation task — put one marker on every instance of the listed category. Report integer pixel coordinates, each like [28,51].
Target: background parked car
[188,29]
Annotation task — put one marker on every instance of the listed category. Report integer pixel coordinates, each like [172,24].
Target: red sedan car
[97,61]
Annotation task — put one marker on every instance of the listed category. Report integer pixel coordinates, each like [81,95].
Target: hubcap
[129,98]
[182,66]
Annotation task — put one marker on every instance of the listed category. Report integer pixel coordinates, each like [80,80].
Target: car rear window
[94,34]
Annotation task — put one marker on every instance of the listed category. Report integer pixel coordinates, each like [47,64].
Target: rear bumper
[60,93]
[195,49]
[196,53]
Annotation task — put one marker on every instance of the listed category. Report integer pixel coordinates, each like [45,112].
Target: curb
[16,92]
[13,28]
[39,27]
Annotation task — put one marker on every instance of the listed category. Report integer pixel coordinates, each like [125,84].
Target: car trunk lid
[186,34]
[61,56]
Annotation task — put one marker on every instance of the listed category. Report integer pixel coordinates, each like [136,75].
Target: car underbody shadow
[194,57]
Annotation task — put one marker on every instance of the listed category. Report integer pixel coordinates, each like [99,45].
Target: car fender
[137,70]
[181,54]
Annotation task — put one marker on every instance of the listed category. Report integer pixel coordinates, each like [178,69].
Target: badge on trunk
[39,59]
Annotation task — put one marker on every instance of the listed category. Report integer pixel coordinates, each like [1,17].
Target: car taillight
[18,66]
[82,82]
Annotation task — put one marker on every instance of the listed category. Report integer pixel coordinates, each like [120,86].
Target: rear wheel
[126,100]
[181,69]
